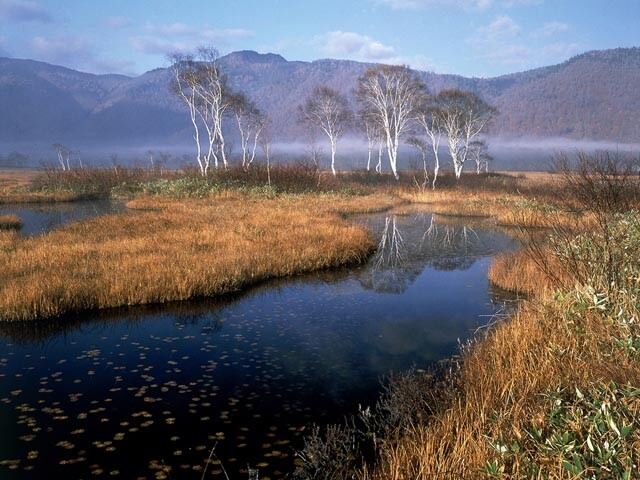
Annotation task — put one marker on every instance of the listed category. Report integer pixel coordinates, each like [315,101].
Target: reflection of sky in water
[119,394]
[40,218]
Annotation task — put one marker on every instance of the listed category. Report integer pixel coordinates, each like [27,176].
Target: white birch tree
[185,84]
[393,94]
[423,148]
[251,124]
[216,99]
[199,82]
[265,143]
[381,141]
[63,154]
[462,116]
[428,121]
[371,131]
[329,110]
[479,152]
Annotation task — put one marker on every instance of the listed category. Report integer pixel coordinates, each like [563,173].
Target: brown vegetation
[543,395]
[13,179]
[553,392]
[10,222]
[176,250]
[502,397]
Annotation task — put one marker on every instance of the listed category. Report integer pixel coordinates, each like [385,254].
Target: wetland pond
[40,218]
[147,392]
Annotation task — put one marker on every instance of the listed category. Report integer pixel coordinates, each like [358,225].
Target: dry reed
[504,418]
[182,249]
[500,393]
[518,272]
[10,222]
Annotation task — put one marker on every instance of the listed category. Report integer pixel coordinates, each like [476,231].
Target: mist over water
[509,154]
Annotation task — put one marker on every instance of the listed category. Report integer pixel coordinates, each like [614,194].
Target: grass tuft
[10,222]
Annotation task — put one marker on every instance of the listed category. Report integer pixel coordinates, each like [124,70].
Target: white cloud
[180,37]
[505,43]
[353,46]
[502,28]
[551,29]
[156,46]
[183,30]
[119,22]
[510,55]
[417,4]
[173,29]
[521,3]
[561,50]
[462,4]
[60,49]
[417,62]
[24,11]
[76,52]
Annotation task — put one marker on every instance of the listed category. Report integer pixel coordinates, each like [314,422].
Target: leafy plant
[584,435]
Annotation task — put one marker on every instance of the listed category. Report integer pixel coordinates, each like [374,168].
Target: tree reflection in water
[410,243]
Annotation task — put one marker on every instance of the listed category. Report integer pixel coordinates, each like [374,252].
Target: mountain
[592,96]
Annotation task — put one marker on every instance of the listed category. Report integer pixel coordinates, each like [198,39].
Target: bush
[584,435]
[332,454]
[183,187]
[96,181]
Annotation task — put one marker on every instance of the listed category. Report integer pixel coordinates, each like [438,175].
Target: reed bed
[12,179]
[518,272]
[509,390]
[44,197]
[10,222]
[179,250]
[554,391]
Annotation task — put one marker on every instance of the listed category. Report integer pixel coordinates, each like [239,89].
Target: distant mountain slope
[592,96]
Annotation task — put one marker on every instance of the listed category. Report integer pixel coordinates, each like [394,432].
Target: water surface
[148,392]
[41,218]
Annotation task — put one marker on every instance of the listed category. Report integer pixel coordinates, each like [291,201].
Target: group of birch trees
[205,90]
[393,103]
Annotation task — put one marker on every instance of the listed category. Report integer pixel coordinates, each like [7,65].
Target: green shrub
[584,435]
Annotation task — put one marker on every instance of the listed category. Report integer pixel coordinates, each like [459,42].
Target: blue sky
[481,38]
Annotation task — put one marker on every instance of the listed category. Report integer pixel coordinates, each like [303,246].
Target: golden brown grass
[15,187]
[175,250]
[575,340]
[518,272]
[10,222]
[15,179]
[500,393]
[508,209]
[42,197]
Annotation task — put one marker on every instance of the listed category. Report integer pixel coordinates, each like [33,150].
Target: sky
[479,38]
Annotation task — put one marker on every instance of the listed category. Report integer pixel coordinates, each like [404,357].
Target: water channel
[147,392]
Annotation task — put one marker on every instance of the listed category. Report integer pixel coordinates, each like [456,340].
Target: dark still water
[40,218]
[148,392]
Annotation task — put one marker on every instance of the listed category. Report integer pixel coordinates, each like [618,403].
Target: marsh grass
[178,249]
[503,395]
[524,397]
[10,222]
[553,392]
[12,179]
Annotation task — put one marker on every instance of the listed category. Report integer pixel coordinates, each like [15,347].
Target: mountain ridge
[592,96]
